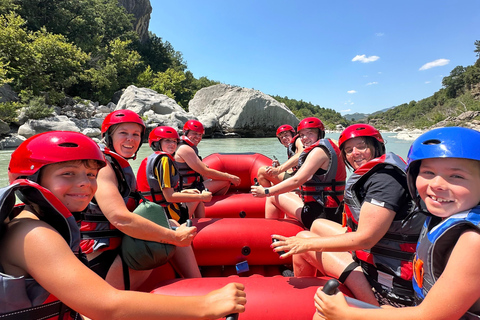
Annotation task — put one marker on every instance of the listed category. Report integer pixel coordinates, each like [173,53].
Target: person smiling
[381,231]
[191,167]
[320,177]
[44,275]
[159,180]
[278,172]
[443,177]
[123,132]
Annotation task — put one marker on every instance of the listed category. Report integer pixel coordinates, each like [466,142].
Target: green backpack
[142,254]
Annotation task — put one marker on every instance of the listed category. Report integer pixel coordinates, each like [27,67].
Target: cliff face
[141,9]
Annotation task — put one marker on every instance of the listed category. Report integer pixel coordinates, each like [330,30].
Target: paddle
[332,285]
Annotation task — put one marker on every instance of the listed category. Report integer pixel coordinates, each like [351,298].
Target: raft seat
[238,202]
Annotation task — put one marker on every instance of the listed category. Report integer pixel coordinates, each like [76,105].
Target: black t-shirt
[388,189]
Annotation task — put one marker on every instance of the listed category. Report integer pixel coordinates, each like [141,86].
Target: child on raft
[54,173]
[195,173]
[380,231]
[276,173]
[123,132]
[159,180]
[321,178]
[443,176]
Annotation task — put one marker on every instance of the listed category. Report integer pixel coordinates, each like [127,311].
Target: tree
[455,82]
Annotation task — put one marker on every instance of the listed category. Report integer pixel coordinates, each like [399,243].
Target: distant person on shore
[123,132]
[321,178]
[196,174]
[381,231]
[443,178]
[44,275]
[158,178]
[277,172]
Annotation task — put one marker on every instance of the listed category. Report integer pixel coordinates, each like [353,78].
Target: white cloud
[346,110]
[379,34]
[364,59]
[351,91]
[436,63]
[427,82]
[370,83]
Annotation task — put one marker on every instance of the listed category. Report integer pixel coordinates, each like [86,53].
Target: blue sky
[350,56]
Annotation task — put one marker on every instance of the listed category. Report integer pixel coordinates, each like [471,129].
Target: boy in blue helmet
[444,178]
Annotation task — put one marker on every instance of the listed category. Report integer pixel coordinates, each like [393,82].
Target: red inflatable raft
[238,202]
[268,298]
[236,248]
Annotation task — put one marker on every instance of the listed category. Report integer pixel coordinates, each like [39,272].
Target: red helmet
[360,130]
[52,147]
[285,127]
[162,132]
[194,125]
[311,122]
[117,117]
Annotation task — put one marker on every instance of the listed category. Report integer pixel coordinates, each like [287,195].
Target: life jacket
[325,187]
[98,234]
[147,182]
[436,241]
[21,297]
[394,253]
[189,176]
[291,150]
[127,184]
[149,187]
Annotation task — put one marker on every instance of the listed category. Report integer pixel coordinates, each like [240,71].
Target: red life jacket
[20,297]
[325,187]
[189,176]
[98,234]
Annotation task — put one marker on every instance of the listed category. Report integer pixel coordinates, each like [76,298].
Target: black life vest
[21,297]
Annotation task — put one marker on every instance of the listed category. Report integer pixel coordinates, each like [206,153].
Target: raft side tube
[233,240]
[269,298]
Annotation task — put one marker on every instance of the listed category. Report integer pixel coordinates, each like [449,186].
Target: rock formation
[247,112]
[141,10]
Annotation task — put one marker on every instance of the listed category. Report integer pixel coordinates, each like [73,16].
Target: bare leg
[115,275]
[196,209]
[184,263]
[217,187]
[266,180]
[288,203]
[325,228]
[333,264]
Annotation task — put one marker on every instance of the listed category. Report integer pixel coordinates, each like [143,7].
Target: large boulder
[141,10]
[156,108]
[32,127]
[243,111]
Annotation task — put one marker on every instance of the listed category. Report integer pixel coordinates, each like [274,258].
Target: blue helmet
[449,142]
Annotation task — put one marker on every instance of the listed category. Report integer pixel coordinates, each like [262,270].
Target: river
[267,146]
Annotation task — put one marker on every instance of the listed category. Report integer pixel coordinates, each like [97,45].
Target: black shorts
[314,210]
[101,264]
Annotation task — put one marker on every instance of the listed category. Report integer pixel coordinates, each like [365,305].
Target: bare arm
[186,154]
[113,207]
[293,161]
[316,159]
[187,195]
[450,297]
[373,224]
[41,252]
